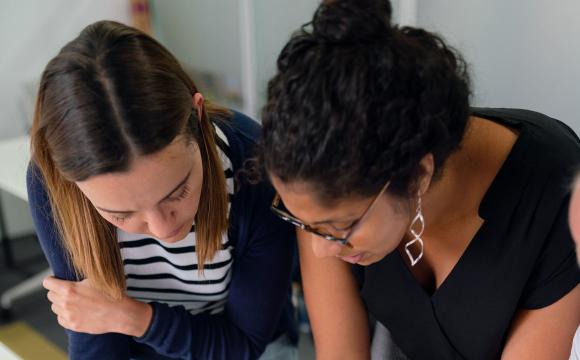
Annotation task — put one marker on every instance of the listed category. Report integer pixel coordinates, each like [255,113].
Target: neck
[468,173]
[457,192]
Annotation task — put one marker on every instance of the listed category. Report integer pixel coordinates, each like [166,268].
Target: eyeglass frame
[284,215]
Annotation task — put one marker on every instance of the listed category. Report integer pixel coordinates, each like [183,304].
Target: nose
[161,223]
[325,248]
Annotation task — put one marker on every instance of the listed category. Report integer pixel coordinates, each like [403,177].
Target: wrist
[137,317]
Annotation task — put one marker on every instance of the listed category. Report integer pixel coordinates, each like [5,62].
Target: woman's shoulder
[245,126]
[547,133]
[538,169]
[250,203]
[549,143]
[238,135]
[239,127]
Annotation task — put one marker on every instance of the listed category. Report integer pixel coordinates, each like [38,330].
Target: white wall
[275,21]
[501,40]
[523,54]
[31,33]
[203,35]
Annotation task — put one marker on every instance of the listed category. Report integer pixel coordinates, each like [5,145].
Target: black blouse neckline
[511,172]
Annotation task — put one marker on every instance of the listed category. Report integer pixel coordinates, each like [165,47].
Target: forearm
[82,346]
[344,318]
[175,332]
[134,317]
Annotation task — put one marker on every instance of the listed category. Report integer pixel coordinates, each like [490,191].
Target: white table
[14,158]
[7,354]
[14,155]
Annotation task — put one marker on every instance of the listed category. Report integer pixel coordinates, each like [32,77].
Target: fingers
[55,308]
[56,285]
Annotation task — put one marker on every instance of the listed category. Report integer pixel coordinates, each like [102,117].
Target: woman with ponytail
[158,250]
[443,224]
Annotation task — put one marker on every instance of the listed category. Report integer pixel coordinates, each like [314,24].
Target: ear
[198,102]
[427,165]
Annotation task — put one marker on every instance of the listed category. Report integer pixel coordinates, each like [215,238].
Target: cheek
[380,238]
[132,227]
[190,205]
[185,210]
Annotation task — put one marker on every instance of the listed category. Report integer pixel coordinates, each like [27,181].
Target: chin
[371,259]
[366,261]
[182,235]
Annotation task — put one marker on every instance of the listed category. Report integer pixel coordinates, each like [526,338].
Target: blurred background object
[140,15]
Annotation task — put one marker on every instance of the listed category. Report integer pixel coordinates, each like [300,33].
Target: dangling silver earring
[417,228]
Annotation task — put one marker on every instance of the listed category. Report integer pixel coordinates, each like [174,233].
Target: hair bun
[352,21]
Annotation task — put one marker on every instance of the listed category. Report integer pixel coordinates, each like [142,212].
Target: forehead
[303,202]
[146,182]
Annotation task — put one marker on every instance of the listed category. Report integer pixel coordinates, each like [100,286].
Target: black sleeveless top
[522,257]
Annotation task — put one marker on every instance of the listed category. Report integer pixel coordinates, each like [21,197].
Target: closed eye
[335,227]
[121,219]
[182,195]
[344,227]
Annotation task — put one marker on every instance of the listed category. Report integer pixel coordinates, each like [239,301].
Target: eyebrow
[181,183]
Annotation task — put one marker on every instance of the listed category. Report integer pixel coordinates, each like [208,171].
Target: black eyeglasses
[284,215]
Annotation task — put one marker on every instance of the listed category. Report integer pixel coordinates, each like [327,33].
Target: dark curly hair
[357,101]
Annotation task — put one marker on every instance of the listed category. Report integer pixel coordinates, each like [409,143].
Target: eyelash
[180,197]
[120,219]
[346,228]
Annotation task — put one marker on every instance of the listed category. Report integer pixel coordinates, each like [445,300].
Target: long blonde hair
[110,95]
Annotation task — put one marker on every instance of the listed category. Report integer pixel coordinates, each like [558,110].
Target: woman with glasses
[443,224]
[158,250]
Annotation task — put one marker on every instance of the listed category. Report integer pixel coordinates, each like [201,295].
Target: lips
[353,259]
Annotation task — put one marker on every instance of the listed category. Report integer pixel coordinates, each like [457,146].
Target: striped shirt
[168,272]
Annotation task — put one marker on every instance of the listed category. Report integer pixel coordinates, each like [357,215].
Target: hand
[80,307]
